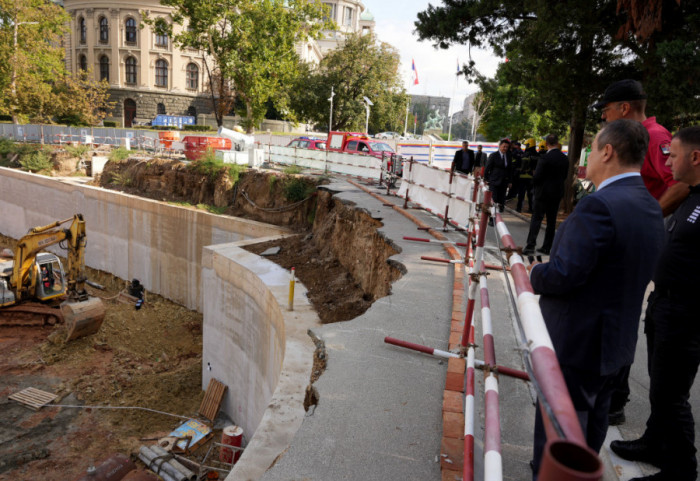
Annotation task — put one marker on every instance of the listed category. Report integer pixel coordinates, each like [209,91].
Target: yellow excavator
[33,282]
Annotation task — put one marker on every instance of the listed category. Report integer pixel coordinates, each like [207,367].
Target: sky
[436,67]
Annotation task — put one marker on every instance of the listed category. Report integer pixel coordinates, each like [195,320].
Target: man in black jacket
[552,170]
[464,159]
[499,172]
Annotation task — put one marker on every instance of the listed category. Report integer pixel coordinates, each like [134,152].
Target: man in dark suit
[480,156]
[550,174]
[592,288]
[464,159]
[498,173]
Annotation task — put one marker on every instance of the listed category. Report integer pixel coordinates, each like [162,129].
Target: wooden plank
[213,396]
[33,398]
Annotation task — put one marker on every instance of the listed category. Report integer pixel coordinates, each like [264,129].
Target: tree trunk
[249,121]
[577,126]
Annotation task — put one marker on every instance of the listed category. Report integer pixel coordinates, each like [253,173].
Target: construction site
[268,323]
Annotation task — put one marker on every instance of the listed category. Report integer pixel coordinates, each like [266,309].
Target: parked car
[387,135]
[308,143]
[359,143]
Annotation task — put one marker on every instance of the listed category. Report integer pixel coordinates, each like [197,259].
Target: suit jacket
[463,164]
[593,286]
[550,175]
[480,159]
[496,173]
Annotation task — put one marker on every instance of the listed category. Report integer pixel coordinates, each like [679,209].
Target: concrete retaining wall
[128,236]
[251,339]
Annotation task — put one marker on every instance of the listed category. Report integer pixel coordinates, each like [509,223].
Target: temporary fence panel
[364,166]
[59,134]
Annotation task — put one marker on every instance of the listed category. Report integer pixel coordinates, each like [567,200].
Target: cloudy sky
[436,67]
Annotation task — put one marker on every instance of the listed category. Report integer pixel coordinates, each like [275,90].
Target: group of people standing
[641,224]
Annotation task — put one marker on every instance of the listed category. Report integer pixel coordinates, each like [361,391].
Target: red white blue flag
[415,72]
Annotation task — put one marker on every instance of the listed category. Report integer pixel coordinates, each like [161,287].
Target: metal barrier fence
[59,134]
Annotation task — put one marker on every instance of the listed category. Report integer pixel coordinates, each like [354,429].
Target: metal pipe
[493,466]
[506,371]
[469,407]
[486,327]
[182,469]
[420,348]
[159,465]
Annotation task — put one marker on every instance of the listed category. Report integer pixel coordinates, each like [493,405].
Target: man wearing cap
[463,160]
[592,288]
[673,331]
[626,99]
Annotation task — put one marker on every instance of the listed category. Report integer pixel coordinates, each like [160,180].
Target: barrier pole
[544,360]
[421,348]
[291,290]
[493,465]
[469,408]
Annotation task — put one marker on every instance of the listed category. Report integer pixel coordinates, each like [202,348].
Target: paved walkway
[380,412]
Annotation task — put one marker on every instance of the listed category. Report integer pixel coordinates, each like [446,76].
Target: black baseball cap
[620,91]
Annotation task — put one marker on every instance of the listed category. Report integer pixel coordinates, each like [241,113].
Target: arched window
[130,65]
[162,40]
[161,73]
[160,109]
[192,76]
[130,30]
[83,30]
[82,61]
[104,30]
[104,68]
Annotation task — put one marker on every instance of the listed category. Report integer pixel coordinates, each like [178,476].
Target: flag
[415,72]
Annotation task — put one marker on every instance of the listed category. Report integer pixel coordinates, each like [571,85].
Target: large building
[147,74]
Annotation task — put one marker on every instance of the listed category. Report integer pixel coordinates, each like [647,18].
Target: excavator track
[30,314]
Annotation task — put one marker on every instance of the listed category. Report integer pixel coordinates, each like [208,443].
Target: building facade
[146,73]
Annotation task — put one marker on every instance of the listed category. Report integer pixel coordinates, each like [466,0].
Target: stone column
[90,42]
[146,79]
[115,77]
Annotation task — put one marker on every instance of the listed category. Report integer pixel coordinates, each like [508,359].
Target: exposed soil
[152,357]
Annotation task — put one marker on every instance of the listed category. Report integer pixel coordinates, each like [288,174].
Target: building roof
[367,16]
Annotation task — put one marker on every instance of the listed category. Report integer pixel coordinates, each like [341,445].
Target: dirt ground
[151,358]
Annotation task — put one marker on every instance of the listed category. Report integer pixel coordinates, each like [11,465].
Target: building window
[83,30]
[333,9]
[104,68]
[162,40]
[82,61]
[161,73]
[348,17]
[192,112]
[192,76]
[130,70]
[160,109]
[130,25]
[104,30]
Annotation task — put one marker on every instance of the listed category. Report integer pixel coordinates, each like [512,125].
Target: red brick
[449,475]
[453,401]
[454,382]
[455,338]
[457,326]
[453,425]
[455,364]
[458,286]
[454,449]
[458,314]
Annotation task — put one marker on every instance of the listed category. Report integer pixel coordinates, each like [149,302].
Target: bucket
[231,436]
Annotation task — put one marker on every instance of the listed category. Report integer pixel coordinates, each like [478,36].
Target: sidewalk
[380,410]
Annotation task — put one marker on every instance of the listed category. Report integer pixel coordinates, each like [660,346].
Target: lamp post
[330,119]
[13,81]
[405,122]
[368,104]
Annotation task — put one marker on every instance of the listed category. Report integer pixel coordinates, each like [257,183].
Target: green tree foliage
[31,57]
[250,45]
[568,52]
[511,113]
[362,67]
[82,99]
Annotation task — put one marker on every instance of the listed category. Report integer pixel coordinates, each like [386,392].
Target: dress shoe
[544,251]
[491,221]
[615,418]
[637,450]
[528,250]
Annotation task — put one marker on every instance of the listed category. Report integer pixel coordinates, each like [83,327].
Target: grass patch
[77,150]
[292,170]
[119,154]
[212,208]
[297,189]
[123,180]
[213,167]
[37,161]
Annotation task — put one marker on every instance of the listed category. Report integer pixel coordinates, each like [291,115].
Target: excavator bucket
[83,318]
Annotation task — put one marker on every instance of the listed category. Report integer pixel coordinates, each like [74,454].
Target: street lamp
[368,104]
[330,119]
[13,81]
[405,122]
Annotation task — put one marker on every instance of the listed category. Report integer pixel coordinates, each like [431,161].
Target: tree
[566,52]
[249,43]
[83,100]
[362,67]
[31,57]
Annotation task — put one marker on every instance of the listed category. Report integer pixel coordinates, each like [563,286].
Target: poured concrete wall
[128,236]
[251,339]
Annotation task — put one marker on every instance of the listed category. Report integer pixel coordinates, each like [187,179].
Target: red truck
[359,143]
